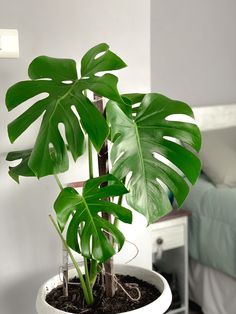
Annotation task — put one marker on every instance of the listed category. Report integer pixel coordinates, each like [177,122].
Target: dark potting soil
[121,302]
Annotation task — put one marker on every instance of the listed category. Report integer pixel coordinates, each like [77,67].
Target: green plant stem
[58,182]
[90,159]
[87,278]
[120,199]
[87,292]
[90,151]
[93,263]
[93,272]
[116,220]
[64,252]
[88,281]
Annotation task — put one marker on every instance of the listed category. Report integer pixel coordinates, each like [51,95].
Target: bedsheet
[212,225]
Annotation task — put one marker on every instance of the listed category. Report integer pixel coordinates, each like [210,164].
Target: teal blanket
[212,225]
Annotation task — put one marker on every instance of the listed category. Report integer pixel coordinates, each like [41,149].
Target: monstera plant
[138,130]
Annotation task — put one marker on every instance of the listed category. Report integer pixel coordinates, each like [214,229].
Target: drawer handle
[159,241]
[159,250]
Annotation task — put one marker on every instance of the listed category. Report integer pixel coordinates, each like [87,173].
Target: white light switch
[9,43]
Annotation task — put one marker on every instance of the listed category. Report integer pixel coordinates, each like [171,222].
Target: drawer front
[168,238]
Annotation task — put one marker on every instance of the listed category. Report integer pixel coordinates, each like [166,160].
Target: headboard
[215,117]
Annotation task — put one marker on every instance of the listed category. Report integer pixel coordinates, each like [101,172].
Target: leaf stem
[90,159]
[116,220]
[90,151]
[58,181]
[93,272]
[119,202]
[88,296]
[90,278]
[64,252]
[87,278]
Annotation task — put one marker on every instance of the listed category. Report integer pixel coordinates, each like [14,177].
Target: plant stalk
[119,202]
[64,254]
[92,263]
[58,182]
[93,272]
[65,271]
[116,220]
[86,289]
[90,159]
[103,168]
[87,279]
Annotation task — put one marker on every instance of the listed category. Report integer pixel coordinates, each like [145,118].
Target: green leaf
[105,86]
[22,168]
[53,68]
[86,220]
[92,63]
[56,108]
[128,101]
[134,98]
[92,122]
[137,138]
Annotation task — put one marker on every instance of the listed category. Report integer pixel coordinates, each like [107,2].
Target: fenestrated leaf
[105,85]
[56,108]
[128,101]
[93,61]
[22,168]
[137,138]
[86,209]
[93,189]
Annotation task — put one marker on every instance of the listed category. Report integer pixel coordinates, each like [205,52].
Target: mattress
[212,225]
[214,291]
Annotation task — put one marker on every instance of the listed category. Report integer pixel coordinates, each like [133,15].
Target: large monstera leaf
[87,230]
[140,133]
[57,79]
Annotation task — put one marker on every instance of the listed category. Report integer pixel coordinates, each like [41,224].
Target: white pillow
[218,156]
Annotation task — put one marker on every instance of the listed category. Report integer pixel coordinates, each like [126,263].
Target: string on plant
[135,246]
[129,285]
[136,254]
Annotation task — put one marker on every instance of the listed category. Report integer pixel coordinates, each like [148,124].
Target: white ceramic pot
[159,306]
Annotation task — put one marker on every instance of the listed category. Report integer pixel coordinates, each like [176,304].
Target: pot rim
[156,279]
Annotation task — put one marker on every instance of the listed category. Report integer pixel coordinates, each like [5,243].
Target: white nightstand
[170,251]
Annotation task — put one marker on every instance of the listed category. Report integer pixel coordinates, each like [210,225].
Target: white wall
[193,50]
[30,250]
[69,29]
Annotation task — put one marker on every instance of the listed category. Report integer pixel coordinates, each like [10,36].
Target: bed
[212,226]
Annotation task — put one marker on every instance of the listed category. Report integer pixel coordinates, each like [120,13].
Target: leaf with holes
[100,59]
[105,85]
[58,79]
[86,220]
[128,101]
[138,137]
